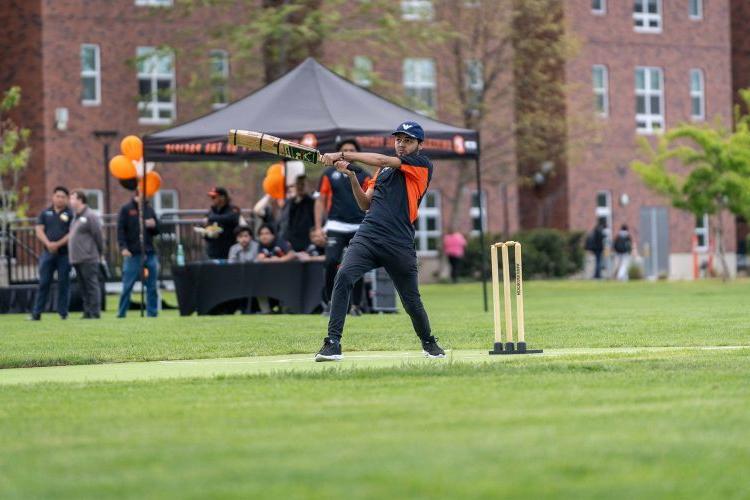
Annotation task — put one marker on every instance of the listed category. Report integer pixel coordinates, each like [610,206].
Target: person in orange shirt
[386,236]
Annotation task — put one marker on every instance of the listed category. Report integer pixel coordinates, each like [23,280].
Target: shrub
[547,253]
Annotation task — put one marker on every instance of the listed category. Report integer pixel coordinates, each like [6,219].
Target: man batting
[386,236]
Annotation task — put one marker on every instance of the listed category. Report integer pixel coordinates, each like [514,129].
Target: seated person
[246,249]
[316,250]
[272,249]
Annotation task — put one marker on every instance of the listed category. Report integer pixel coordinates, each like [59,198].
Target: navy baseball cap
[412,129]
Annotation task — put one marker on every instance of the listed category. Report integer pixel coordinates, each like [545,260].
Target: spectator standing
[52,228]
[298,217]
[129,240]
[246,249]
[221,221]
[336,202]
[623,247]
[454,246]
[85,248]
[595,245]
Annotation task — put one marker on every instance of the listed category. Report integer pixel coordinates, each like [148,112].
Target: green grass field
[577,422]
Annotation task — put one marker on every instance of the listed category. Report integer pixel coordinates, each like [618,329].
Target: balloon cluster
[129,168]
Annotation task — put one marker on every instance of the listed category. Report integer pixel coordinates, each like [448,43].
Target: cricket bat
[258,141]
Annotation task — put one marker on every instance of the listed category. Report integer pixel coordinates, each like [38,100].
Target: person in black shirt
[298,217]
[129,240]
[336,204]
[386,236]
[52,229]
[224,217]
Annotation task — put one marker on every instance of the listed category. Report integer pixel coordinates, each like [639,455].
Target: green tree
[715,177]
[14,157]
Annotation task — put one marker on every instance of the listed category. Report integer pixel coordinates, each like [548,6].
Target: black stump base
[510,348]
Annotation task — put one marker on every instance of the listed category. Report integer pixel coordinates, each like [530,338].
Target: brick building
[82,65]
[651,65]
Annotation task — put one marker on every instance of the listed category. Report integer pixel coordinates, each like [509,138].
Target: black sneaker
[355,311]
[331,351]
[431,349]
[35,317]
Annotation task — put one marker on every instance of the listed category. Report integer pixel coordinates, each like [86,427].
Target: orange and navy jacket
[395,202]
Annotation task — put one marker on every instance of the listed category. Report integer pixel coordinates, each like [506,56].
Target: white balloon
[293,170]
[139,167]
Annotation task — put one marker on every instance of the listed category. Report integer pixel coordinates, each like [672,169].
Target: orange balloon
[132,147]
[121,167]
[153,183]
[273,184]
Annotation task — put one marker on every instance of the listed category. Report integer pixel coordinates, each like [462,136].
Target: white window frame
[154,3]
[417,10]
[422,235]
[97,194]
[602,8]
[699,8]
[703,231]
[474,212]
[362,69]
[416,77]
[649,117]
[646,17]
[699,94]
[601,91]
[224,56]
[606,212]
[157,201]
[154,75]
[474,79]
[96,73]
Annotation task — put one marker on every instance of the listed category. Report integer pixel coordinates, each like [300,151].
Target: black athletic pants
[400,263]
[337,242]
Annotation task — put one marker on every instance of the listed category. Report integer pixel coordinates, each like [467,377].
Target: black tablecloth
[18,299]
[201,286]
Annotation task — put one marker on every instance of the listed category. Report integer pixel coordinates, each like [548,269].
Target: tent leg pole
[480,197]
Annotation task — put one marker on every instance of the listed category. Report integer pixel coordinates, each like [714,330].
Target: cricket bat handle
[264,143]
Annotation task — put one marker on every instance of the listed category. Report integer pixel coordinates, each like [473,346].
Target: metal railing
[23,249]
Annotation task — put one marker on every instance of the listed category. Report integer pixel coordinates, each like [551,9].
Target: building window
[701,232]
[153,3]
[474,82]
[647,15]
[419,83]
[417,10]
[166,200]
[362,71]
[697,95]
[599,6]
[156,86]
[219,78]
[601,90]
[696,9]
[94,199]
[649,100]
[91,75]
[474,213]
[429,228]
[603,212]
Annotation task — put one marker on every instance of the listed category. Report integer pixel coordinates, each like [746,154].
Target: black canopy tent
[314,106]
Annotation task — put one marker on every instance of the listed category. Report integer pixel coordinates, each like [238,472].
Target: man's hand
[330,158]
[342,166]
[53,246]
[126,253]
[151,223]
